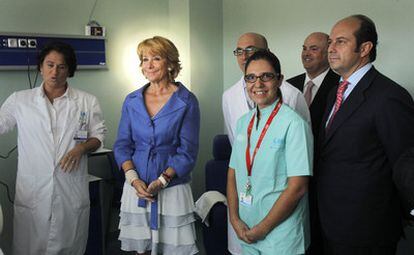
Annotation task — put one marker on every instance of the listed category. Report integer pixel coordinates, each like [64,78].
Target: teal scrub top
[286,150]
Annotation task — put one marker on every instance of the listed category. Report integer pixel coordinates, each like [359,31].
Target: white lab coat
[51,208]
[235,104]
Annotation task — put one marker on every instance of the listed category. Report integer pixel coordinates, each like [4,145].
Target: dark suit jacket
[358,201]
[317,107]
[403,177]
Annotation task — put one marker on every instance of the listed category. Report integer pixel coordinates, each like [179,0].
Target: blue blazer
[169,139]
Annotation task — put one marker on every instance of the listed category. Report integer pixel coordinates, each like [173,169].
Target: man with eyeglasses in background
[236,103]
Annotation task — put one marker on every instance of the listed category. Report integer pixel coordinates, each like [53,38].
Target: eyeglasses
[251,78]
[248,50]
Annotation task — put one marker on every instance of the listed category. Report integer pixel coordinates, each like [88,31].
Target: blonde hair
[163,47]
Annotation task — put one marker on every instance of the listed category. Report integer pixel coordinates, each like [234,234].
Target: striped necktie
[338,102]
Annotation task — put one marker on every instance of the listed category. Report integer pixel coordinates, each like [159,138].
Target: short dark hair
[63,48]
[366,33]
[269,57]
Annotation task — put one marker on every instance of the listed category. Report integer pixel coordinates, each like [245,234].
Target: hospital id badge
[246,199]
[81,135]
[82,132]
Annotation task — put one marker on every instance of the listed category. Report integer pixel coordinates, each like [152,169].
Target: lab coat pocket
[79,192]
[26,192]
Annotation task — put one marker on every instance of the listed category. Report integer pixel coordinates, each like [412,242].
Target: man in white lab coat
[236,102]
[57,126]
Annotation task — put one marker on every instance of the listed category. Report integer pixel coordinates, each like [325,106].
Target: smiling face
[154,67]
[262,93]
[54,70]
[314,54]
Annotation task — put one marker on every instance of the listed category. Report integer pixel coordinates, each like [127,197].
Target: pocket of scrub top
[277,143]
[26,192]
[79,192]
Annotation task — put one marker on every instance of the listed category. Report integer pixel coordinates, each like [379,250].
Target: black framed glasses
[264,77]
[248,50]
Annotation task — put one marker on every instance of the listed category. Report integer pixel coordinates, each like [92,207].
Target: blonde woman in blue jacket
[157,147]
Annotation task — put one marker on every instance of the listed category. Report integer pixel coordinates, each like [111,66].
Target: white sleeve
[7,114]
[302,108]
[227,119]
[97,128]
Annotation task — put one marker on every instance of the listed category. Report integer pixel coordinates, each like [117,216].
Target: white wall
[286,23]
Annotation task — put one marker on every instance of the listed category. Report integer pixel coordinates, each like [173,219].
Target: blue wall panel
[90,50]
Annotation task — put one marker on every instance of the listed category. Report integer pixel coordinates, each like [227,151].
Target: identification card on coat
[81,135]
[82,132]
[246,199]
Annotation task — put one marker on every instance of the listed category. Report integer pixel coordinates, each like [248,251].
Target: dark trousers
[331,248]
[316,245]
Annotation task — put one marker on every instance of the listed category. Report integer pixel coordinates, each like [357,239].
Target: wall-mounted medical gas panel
[20,51]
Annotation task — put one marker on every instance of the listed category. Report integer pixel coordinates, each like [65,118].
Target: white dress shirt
[317,81]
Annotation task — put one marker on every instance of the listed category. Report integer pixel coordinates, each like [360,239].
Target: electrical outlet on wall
[31,43]
[22,43]
[12,42]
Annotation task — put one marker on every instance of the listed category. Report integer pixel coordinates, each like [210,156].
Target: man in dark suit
[318,80]
[403,177]
[369,123]
[316,83]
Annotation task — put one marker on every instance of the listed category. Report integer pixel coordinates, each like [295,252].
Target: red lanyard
[249,162]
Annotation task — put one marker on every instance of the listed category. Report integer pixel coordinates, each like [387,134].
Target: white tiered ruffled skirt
[176,233]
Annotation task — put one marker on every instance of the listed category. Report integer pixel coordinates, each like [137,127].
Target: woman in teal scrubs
[269,167]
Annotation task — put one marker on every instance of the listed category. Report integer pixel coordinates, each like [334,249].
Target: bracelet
[163,181]
[166,176]
[131,175]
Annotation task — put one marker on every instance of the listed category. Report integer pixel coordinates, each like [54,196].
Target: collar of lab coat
[72,110]
[70,92]
[178,100]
